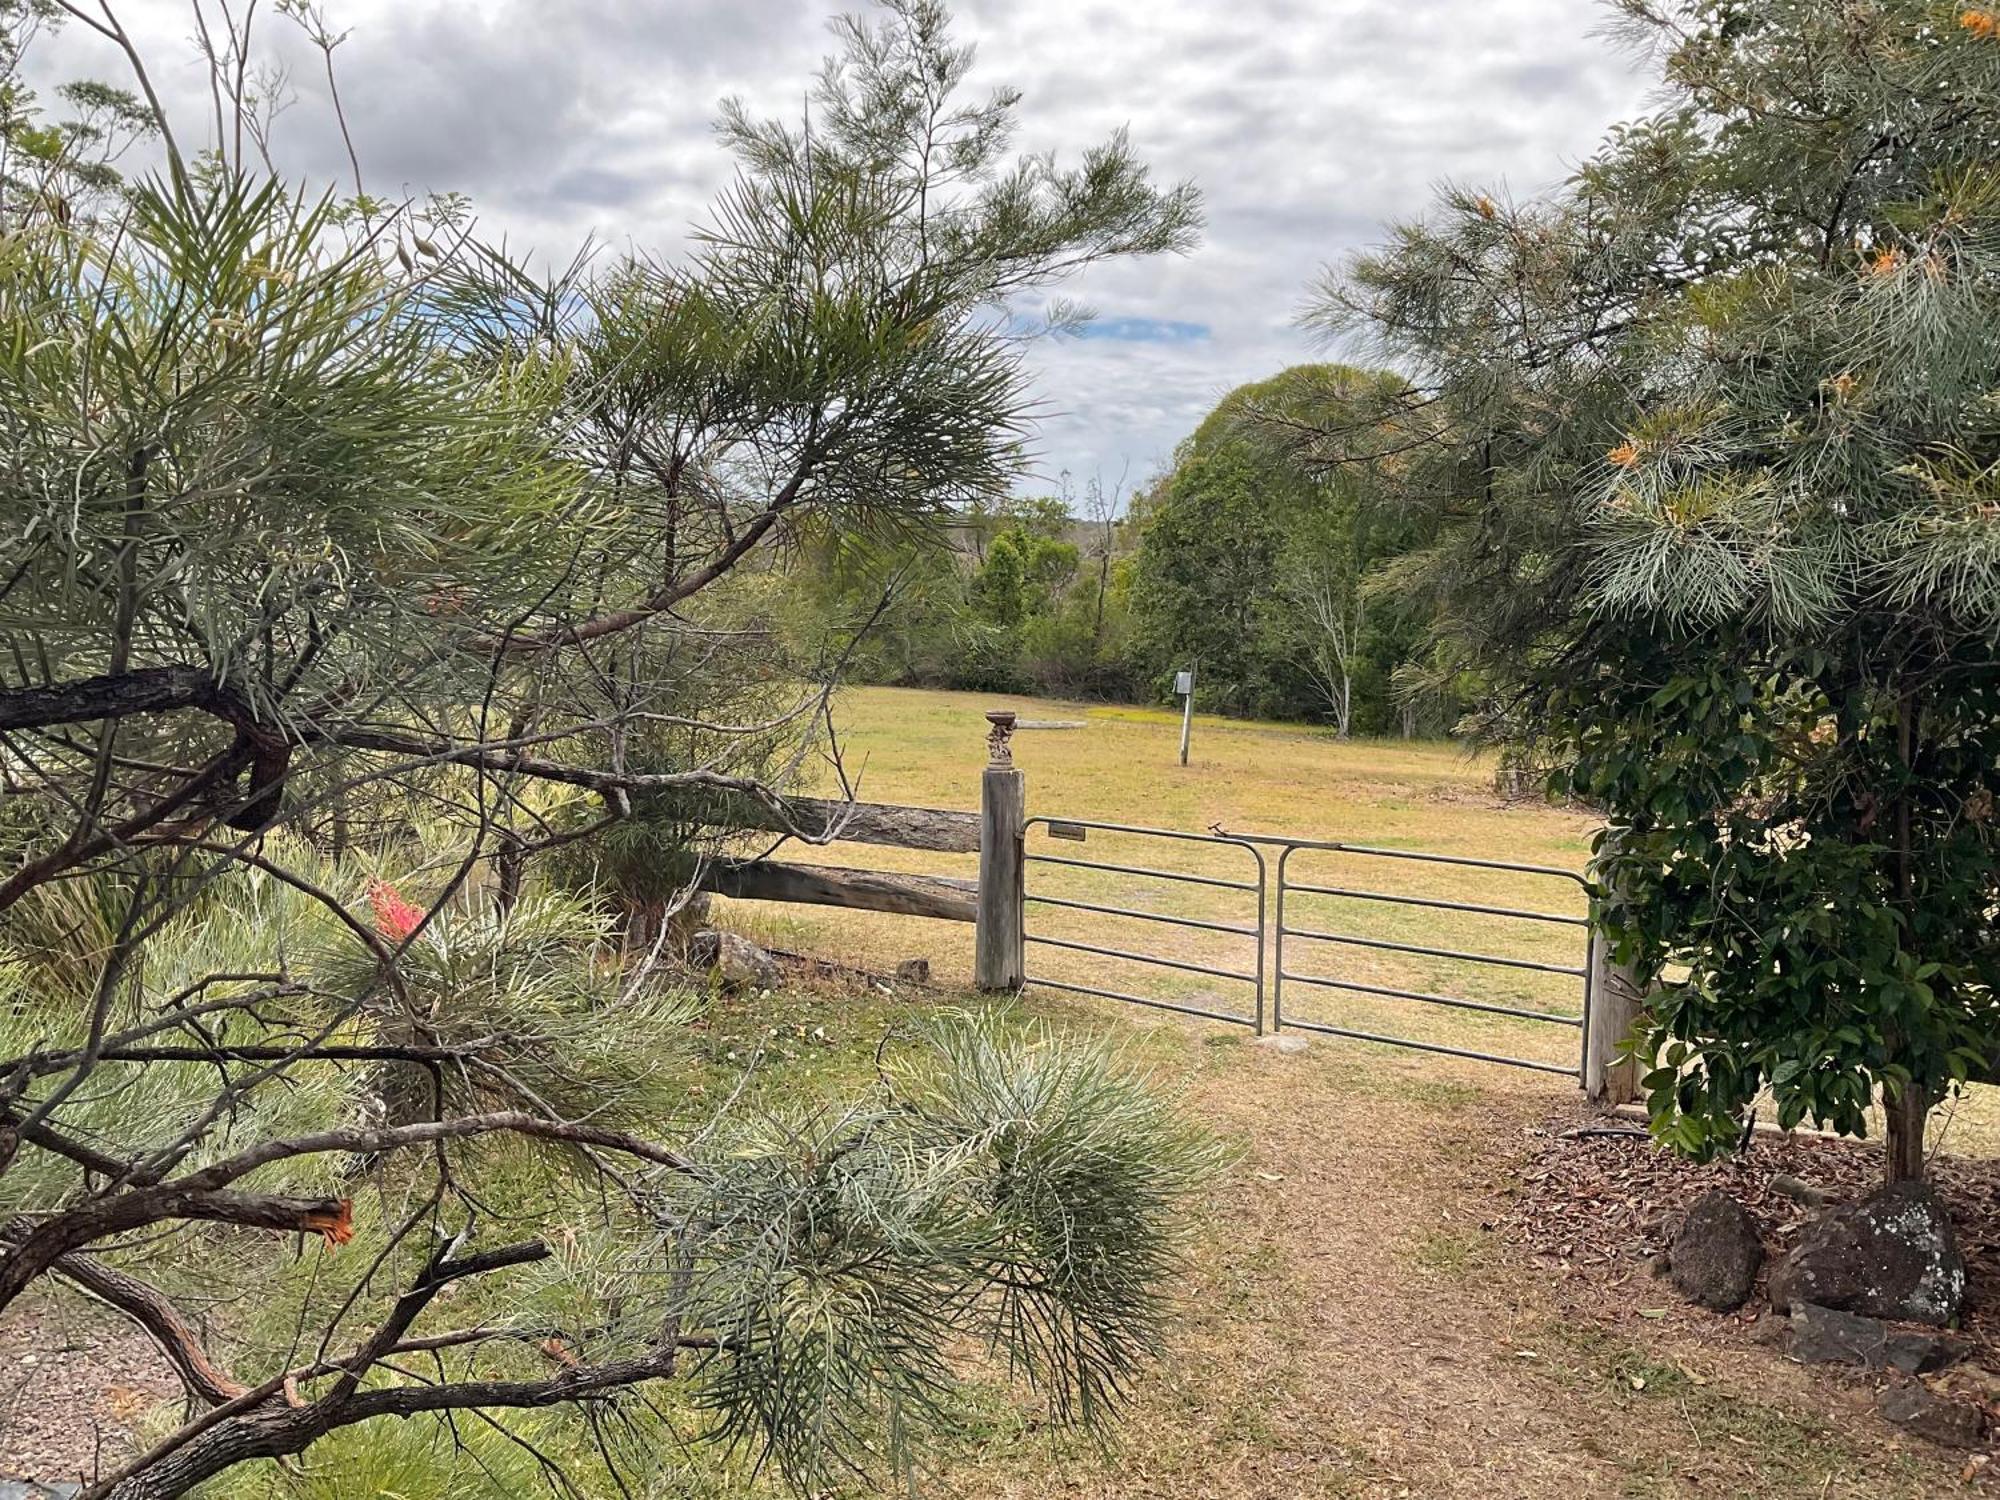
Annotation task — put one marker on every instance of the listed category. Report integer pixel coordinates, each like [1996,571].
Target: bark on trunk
[1906,1110]
[1907,1113]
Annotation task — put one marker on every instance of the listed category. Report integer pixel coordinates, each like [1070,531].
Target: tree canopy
[1265,572]
[348,572]
[1710,438]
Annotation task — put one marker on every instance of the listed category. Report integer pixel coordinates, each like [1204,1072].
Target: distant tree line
[1270,575]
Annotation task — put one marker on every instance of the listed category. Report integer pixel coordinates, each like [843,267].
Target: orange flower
[1884,263]
[1842,385]
[557,1352]
[1625,455]
[337,1225]
[1486,207]
[395,918]
[1981,23]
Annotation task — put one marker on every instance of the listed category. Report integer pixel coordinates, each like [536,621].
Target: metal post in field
[1000,945]
[1184,685]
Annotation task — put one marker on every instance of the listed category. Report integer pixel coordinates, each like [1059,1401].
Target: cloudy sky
[1307,124]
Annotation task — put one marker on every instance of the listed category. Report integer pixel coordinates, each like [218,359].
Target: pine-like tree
[333,546]
[1714,432]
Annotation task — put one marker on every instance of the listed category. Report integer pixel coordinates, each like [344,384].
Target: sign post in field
[1184,685]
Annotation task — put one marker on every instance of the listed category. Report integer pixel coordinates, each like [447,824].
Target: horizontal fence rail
[829,819]
[1073,830]
[944,897]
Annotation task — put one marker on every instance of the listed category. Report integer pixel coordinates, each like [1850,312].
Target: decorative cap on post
[999,746]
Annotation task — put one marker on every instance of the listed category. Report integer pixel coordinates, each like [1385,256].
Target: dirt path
[1357,1330]
[1358,1322]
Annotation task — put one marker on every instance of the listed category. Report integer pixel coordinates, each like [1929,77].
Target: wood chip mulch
[74,1381]
[1602,1205]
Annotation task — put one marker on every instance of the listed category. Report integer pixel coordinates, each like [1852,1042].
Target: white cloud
[1307,125]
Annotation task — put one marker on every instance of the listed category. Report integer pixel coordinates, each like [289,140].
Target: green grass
[1782,1452]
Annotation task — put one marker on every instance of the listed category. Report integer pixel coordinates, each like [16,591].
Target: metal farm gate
[1075,831]
[1289,888]
[1274,951]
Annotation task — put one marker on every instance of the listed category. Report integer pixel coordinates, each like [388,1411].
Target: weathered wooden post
[1616,999]
[999,949]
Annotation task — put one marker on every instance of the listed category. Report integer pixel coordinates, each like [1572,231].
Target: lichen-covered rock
[1890,1255]
[736,961]
[1716,1253]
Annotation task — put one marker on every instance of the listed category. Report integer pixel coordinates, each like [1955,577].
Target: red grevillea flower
[336,1224]
[395,918]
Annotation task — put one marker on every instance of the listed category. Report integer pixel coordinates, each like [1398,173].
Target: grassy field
[1361,1316]
[1121,767]
[1351,1324]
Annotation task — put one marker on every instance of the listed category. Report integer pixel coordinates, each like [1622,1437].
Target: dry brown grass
[1350,1327]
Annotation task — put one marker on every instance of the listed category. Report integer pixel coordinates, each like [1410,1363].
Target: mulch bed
[1601,1206]
[74,1378]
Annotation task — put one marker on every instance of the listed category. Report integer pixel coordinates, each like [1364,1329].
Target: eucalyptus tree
[343,561]
[1254,559]
[1713,432]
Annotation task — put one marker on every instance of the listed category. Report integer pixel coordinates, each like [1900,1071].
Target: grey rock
[1284,1043]
[38,1489]
[1715,1253]
[1913,1405]
[1828,1336]
[738,962]
[1891,1255]
[914,971]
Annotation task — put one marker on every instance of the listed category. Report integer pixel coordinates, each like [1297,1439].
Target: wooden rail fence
[996,902]
[993,903]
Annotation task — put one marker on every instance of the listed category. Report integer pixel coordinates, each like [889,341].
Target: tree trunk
[1908,1108]
[1907,1112]
[512,866]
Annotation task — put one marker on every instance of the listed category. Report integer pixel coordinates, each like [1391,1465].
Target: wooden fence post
[1000,950]
[1616,999]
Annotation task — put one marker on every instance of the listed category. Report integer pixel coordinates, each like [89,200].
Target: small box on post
[1184,685]
[1000,944]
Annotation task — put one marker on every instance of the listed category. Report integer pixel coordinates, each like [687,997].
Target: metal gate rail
[1077,830]
[1283,976]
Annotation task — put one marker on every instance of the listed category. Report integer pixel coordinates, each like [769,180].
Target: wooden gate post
[1000,949]
[1616,999]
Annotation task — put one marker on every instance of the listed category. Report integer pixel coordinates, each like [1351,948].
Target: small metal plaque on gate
[1074,832]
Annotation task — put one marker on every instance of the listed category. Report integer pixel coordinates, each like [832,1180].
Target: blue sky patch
[1144,331]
